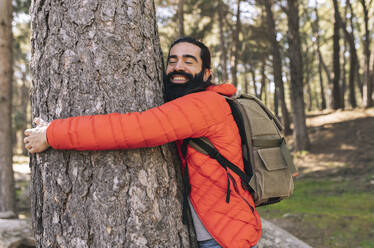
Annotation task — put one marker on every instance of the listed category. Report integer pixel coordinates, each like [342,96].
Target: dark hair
[204,51]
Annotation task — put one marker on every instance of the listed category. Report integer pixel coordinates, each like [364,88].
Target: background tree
[296,69]
[181,17]
[22,81]
[277,64]
[236,45]
[7,193]
[336,58]
[96,58]
[368,84]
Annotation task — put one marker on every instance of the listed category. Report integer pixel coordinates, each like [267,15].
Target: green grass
[341,212]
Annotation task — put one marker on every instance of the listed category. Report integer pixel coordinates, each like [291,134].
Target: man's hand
[36,140]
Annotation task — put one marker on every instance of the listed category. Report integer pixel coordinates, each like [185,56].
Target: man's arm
[194,115]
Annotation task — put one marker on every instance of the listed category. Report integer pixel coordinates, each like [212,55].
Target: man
[194,108]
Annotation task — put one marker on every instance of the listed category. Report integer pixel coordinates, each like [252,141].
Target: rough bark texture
[7,202]
[97,57]
[277,64]
[296,69]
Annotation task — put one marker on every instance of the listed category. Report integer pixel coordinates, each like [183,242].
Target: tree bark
[97,57]
[235,53]
[315,27]
[263,82]
[7,191]
[181,18]
[277,65]
[336,58]
[353,62]
[367,87]
[296,70]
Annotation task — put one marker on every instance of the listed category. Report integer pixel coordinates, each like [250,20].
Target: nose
[179,66]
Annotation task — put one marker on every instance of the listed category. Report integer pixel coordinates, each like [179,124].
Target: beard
[194,84]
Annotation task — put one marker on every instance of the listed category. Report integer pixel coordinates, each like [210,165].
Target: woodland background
[254,45]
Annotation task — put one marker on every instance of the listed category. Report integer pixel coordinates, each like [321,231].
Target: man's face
[185,57]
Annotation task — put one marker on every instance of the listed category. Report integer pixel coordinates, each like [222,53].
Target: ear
[207,74]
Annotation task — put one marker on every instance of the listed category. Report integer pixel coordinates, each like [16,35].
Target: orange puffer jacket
[204,114]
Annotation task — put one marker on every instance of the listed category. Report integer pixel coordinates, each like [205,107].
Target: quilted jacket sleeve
[194,115]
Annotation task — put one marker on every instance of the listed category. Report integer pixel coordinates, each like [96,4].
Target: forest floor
[333,202]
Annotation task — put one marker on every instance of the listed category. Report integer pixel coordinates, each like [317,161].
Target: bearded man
[194,108]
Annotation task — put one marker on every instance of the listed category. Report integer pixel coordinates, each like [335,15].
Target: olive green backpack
[268,167]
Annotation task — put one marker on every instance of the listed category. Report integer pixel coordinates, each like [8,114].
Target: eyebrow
[184,56]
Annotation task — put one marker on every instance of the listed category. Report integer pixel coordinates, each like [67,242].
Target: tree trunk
[316,29]
[336,59]
[308,87]
[367,87]
[263,83]
[353,63]
[235,54]
[253,73]
[296,70]
[7,191]
[100,57]
[181,18]
[24,106]
[277,65]
[344,72]
[223,56]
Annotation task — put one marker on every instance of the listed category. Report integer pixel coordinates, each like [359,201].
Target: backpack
[268,166]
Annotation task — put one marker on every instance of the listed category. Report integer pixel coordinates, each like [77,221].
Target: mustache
[182,73]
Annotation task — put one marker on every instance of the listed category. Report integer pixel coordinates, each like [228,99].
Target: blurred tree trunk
[181,18]
[7,191]
[307,80]
[263,82]
[353,62]
[101,57]
[336,58]
[253,73]
[223,56]
[277,65]
[367,87]
[316,31]
[236,47]
[344,72]
[296,70]
[24,105]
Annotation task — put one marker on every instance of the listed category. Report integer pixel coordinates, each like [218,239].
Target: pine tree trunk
[97,57]
[223,56]
[277,65]
[181,18]
[336,59]
[367,87]
[7,196]
[235,53]
[253,74]
[316,29]
[296,70]
[263,82]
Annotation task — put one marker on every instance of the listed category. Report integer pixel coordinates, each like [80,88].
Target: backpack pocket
[272,179]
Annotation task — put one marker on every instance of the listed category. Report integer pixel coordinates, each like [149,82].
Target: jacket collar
[223,89]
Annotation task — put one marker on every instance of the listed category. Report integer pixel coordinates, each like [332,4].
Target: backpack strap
[186,184]
[214,153]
